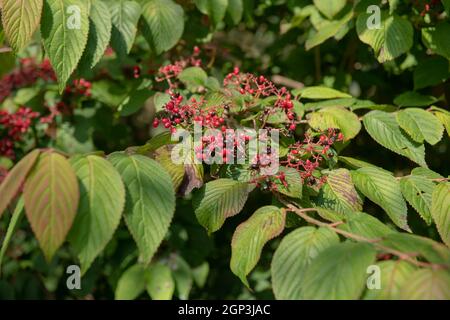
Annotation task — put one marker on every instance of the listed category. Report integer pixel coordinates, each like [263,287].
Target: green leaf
[384,129]
[214,9]
[394,38]
[427,284]
[414,99]
[102,200]
[446,4]
[383,189]
[430,72]
[338,272]
[364,225]
[294,255]
[440,210]
[99,34]
[420,125]
[336,117]
[15,220]
[176,171]
[319,93]
[134,102]
[132,283]
[294,182]
[156,142]
[109,92]
[163,24]
[339,193]
[200,274]
[356,163]
[425,172]
[64,35]
[329,29]
[160,99]
[416,246]
[445,120]
[218,200]
[10,186]
[51,199]
[393,276]
[150,203]
[20,20]
[418,190]
[235,10]
[251,236]
[193,78]
[330,8]
[125,16]
[160,284]
[436,39]
[8,62]
[182,275]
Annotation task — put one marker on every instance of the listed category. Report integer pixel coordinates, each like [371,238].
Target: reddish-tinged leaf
[51,198]
[11,185]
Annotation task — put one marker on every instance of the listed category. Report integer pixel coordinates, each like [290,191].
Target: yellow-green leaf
[251,236]
[64,29]
[336,117]
[440,210]
[420,125]
[218,200]
[293,256]
[20,20]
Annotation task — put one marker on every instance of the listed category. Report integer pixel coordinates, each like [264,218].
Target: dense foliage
[91,93]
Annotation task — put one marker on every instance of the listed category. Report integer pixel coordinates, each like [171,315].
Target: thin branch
[280,80]
[375,242]
[5,50]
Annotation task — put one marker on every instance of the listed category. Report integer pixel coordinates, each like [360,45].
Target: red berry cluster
[260,87]
[12,128]
[307,155]
[80,87]
[26,75]
[224,146]
[426,5]
[186,114]
[271,183]
[170,71]
[54,111]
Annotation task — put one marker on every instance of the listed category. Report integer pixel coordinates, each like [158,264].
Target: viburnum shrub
[148,166]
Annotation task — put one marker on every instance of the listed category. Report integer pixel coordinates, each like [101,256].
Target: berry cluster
[307,155]
[168,72]
[223,147]
[12,128]
[186,114]
[261,87]
[271,183]
[426,6]
[26,75]
[80,87]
